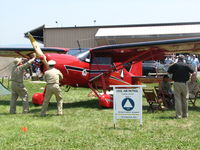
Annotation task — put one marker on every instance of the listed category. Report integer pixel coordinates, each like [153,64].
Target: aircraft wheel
[38,99]
[106,101]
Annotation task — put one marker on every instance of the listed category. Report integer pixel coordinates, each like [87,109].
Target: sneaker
[163,108]
[178,117]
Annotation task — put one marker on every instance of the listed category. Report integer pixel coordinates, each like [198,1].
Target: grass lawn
[86,126]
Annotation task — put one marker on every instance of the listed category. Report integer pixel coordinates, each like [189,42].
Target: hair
[51,66]
[181,58]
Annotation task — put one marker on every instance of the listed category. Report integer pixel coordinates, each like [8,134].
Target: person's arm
[44,77]
[60,75]
[171,69]
[27,64]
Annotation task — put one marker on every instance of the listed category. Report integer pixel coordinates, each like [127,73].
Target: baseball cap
[51,62]
[17,61]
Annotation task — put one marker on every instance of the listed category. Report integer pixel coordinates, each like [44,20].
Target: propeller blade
[38,51]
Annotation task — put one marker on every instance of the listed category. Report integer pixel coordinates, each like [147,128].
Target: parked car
[153,66]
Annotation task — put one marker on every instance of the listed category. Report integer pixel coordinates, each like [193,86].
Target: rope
[6,71]
[6,66]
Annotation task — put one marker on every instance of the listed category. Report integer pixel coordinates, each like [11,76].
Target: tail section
[136,69]
[137,78]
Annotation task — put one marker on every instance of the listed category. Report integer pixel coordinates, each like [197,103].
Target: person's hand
[32,59]
[24,60]
[33,55]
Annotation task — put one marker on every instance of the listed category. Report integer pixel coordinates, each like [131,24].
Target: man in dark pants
[180,75]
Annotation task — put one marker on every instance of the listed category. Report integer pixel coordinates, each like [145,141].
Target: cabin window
[102,60]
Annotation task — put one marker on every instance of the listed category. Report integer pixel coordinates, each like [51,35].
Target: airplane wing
[24,52]
[152,50]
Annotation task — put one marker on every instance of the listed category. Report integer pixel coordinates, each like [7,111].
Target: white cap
[51,62]
[17,61]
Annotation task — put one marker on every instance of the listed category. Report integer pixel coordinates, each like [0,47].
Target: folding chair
[155,103]
[168,102]
[193,99]
[157,90]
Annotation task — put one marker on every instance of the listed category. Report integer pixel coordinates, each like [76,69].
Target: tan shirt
[17,73]
[53,75]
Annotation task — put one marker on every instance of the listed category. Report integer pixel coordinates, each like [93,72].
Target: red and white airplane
[100,67]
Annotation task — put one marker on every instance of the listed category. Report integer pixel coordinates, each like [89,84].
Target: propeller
[38,51]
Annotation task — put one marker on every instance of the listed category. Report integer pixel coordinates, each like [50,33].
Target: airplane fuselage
[78,73]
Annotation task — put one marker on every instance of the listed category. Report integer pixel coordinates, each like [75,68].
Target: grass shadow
[6,113]
[7,102]
[80,104]
[166,117]
[35,110]
[145,107]
[53,105]
[84,104]
[192,108]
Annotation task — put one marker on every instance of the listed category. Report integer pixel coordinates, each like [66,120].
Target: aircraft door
[100,65]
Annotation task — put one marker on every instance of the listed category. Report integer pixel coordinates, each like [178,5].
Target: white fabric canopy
[146,30]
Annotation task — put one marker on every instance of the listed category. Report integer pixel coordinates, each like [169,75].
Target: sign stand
[127,102]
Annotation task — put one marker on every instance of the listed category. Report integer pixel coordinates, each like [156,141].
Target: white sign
[127,102]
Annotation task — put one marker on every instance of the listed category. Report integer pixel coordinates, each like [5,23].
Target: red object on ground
[106,101]
[24,129]
[38,98]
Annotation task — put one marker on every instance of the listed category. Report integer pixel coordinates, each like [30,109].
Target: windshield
[76,51]
[84,56]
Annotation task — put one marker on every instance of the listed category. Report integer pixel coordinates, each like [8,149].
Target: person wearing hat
[17,86]
[52,77]
[180,75]
[166,92]
[195,63]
